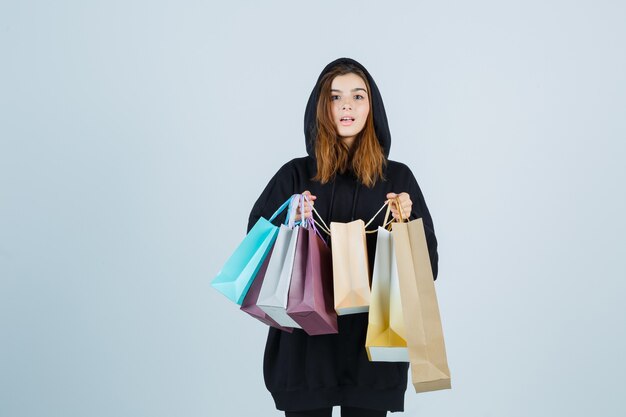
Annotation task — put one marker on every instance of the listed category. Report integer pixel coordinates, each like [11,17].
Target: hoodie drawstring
[356,196]
[332,200]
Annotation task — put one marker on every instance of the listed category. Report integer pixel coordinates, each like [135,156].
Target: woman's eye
[334,98]
[359,97]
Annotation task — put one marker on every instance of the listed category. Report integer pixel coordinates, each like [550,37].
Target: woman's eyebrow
[353,90]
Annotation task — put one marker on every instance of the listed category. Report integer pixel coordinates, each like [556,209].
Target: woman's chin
[348,133]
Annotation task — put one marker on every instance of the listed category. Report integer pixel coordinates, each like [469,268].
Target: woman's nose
[345,106]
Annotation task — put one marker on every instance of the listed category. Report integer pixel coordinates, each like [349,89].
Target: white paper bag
[275,290]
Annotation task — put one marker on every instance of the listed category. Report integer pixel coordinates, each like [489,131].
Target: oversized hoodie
[305,372]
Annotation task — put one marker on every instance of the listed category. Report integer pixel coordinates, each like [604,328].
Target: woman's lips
[346,121]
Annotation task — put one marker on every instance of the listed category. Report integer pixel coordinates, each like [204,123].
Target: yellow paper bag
[386,336]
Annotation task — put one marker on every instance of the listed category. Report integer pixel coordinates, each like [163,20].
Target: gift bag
[250,300]
[386,337]
[310,301]
[427,352]
[274,292]
[235,277]
[351,283]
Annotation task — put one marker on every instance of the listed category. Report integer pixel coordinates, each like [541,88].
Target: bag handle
[281,209]
[402,217]
[310,224]
[290,221]
[324,227]
[373,217]
[302,198]
[387,224]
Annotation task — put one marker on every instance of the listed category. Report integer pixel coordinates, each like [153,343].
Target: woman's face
[349,105]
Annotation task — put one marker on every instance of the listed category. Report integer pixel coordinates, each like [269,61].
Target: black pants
[345,412]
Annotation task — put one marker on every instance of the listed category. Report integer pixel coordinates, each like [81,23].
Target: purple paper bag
[249,302]
[311,291]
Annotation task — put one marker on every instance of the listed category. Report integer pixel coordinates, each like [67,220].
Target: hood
[381,125]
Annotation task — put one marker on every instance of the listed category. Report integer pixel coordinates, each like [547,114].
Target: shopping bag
[310,302]
[351,274]
[427,352]
[386,337]
[249,301]
[351,283]
[235,277]
[274,292]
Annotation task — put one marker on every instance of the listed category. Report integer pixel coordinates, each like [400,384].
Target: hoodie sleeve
[276,192]
[421,210]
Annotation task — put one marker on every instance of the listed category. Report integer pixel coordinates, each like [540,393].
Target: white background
[135,137]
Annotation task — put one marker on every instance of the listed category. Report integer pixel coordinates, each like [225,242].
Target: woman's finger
[307,214]
[311,199]
[309,195]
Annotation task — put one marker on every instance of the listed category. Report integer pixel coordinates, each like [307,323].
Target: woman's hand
[308,213]
[405,203]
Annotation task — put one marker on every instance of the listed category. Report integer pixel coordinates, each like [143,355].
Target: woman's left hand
[405,203]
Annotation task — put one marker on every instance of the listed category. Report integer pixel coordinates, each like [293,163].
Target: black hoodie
[307,372]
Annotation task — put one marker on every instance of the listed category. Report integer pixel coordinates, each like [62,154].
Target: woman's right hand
[308,213]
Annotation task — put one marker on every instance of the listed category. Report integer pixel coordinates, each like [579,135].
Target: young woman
[349,176]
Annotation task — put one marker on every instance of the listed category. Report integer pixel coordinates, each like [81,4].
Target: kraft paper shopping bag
[427,352]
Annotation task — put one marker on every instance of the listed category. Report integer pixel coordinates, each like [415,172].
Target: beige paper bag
[427,352]
[351,281]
